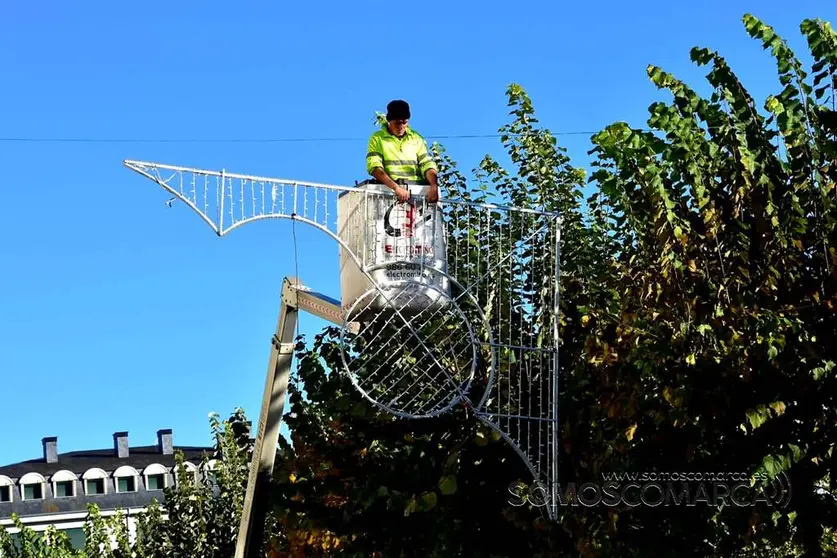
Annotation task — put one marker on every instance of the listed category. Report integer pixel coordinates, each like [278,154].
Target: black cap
[398,110]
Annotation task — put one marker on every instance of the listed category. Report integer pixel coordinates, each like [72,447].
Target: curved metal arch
[220,232]
[294,217]
[135,166]
[527,461]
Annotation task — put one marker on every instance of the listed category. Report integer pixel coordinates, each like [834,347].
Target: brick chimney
[120,444]
[164,441]
[50,449]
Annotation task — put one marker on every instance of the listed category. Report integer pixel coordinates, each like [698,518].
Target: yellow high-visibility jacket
[401,158]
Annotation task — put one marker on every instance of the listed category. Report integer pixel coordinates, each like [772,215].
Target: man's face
[398,127]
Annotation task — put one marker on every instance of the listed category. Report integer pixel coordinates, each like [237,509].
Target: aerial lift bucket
[400,245]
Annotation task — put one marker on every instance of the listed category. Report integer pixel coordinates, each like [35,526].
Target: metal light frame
[211,195]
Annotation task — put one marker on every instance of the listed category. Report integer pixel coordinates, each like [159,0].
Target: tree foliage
[724,220]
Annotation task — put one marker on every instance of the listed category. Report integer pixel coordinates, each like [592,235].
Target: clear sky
[119,313]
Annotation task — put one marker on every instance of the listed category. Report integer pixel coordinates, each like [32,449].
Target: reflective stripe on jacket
[405,157]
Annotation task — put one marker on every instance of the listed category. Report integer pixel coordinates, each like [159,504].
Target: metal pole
[295,297]
[556,375]
[221,201]
[254,512]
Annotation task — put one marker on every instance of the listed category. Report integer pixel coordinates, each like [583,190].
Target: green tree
[202,516]
[724,221]
[29,543]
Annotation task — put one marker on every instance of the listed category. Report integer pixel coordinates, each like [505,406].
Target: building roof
[107,459]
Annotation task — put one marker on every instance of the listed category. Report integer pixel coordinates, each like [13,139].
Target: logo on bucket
[411,225]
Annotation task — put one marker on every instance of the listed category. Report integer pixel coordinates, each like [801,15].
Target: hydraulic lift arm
[295,297]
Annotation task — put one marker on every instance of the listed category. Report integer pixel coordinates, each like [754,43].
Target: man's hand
[433,194]
[402,193]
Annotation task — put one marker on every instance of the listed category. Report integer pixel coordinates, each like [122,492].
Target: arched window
[156,477]
[126,479]
[189,467]
[208,470]
[7,487]
[64,484]
[32,486]
[95,482]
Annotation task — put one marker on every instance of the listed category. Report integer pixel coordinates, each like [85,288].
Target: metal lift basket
[401,245]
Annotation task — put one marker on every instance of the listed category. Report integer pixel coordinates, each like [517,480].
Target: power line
[247,140]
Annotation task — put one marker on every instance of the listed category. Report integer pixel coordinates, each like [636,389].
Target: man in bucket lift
[397,152]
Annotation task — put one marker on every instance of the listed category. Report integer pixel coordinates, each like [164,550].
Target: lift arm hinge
[284,348]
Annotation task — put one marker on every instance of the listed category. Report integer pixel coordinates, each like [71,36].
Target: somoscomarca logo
[654,489]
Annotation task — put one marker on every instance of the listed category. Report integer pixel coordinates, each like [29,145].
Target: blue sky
[119,313]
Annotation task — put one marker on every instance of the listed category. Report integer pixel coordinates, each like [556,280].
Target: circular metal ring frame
[451,306]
